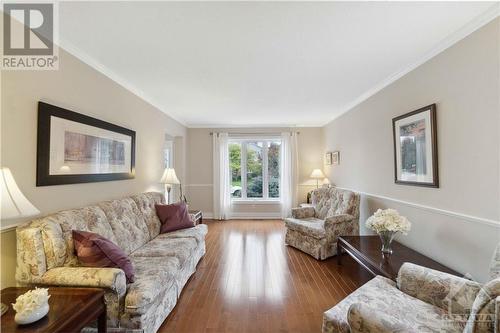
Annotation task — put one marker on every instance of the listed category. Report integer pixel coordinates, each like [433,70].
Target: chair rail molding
[460,216]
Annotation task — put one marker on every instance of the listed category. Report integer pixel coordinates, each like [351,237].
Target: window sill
[256,201]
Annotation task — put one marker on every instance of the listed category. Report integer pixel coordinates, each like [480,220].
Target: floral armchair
[422,300]
[314,230]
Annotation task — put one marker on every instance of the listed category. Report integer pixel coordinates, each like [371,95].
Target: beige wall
[456,224]
[199,168]
[80,88]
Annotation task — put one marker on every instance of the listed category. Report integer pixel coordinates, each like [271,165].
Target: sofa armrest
[303,212]
[364,319]
[448,292]
[109,278]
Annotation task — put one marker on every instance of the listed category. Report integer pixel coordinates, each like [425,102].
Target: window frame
[243,141]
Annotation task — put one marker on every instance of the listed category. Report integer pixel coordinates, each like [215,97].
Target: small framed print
[336,157]
[75,148]
[328,158]
[415,148]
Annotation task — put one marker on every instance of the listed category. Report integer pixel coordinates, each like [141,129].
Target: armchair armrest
[303,212]
[446,291]
[110,278]
[341,225]
[364,319]
[339,219]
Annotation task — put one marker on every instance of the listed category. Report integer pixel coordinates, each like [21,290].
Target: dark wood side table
[197,216]
[71,309]
[366,250]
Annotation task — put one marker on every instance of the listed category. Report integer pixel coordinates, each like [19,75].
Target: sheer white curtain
[289,173]
[222,177]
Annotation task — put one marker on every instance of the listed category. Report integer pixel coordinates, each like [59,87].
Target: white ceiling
[223,64]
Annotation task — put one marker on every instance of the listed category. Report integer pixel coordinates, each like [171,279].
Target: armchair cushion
[449,292]
[312,227]
[302,212]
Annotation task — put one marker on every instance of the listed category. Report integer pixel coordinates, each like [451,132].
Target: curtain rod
[248,133]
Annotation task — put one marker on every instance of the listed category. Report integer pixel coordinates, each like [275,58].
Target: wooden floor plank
[250,281]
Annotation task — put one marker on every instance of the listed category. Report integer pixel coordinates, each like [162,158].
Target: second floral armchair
[315,229]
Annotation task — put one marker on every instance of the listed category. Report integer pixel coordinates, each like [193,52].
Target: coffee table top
[367,249]
[68,306]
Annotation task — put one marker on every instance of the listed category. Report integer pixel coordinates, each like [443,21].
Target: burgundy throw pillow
[173,217]
[93,250]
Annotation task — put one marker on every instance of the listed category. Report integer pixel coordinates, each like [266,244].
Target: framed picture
[415,148]
[328,158]
[74,148]
[335,158]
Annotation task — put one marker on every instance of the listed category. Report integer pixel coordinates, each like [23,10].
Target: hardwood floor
[249,281]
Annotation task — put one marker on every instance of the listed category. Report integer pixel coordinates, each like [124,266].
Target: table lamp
[169,178]
[14,203]
[317,174]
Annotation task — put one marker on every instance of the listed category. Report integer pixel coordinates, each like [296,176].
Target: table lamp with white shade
[14,203]
[169,178]
[317,174]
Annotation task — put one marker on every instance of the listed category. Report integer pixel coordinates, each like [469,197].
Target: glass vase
[386,237]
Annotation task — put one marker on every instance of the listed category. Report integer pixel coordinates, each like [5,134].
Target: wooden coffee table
[71,309]
[366,251]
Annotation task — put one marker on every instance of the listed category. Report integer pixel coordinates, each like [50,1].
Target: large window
[255,168]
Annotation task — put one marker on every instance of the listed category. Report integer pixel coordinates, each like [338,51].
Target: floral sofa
[163,262]
[422,300]
[315,229]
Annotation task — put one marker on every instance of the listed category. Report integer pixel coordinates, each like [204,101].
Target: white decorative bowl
[23,318]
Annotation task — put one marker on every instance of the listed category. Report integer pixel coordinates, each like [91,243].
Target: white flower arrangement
[388,220]
[31,300]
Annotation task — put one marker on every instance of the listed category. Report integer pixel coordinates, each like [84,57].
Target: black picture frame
[434,147]
[43,178]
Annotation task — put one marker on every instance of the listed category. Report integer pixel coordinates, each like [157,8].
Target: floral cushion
[129,226]
[382,295]
[495,264]
[329,201]
[449,292]
[181,248]
[153,276]
[198,232]
[146,203]
[313,227]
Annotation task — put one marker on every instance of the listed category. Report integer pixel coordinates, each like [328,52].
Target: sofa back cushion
[146,203]
[128,224]
[330,201]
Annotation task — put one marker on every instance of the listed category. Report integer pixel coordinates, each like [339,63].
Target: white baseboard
[247,216]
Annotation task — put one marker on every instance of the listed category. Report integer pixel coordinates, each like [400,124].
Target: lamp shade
[14,203]
[169,177]
[326,181]
[317,174]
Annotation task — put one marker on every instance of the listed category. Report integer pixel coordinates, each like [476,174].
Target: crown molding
[87,59]
[288,126]
[478,22]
